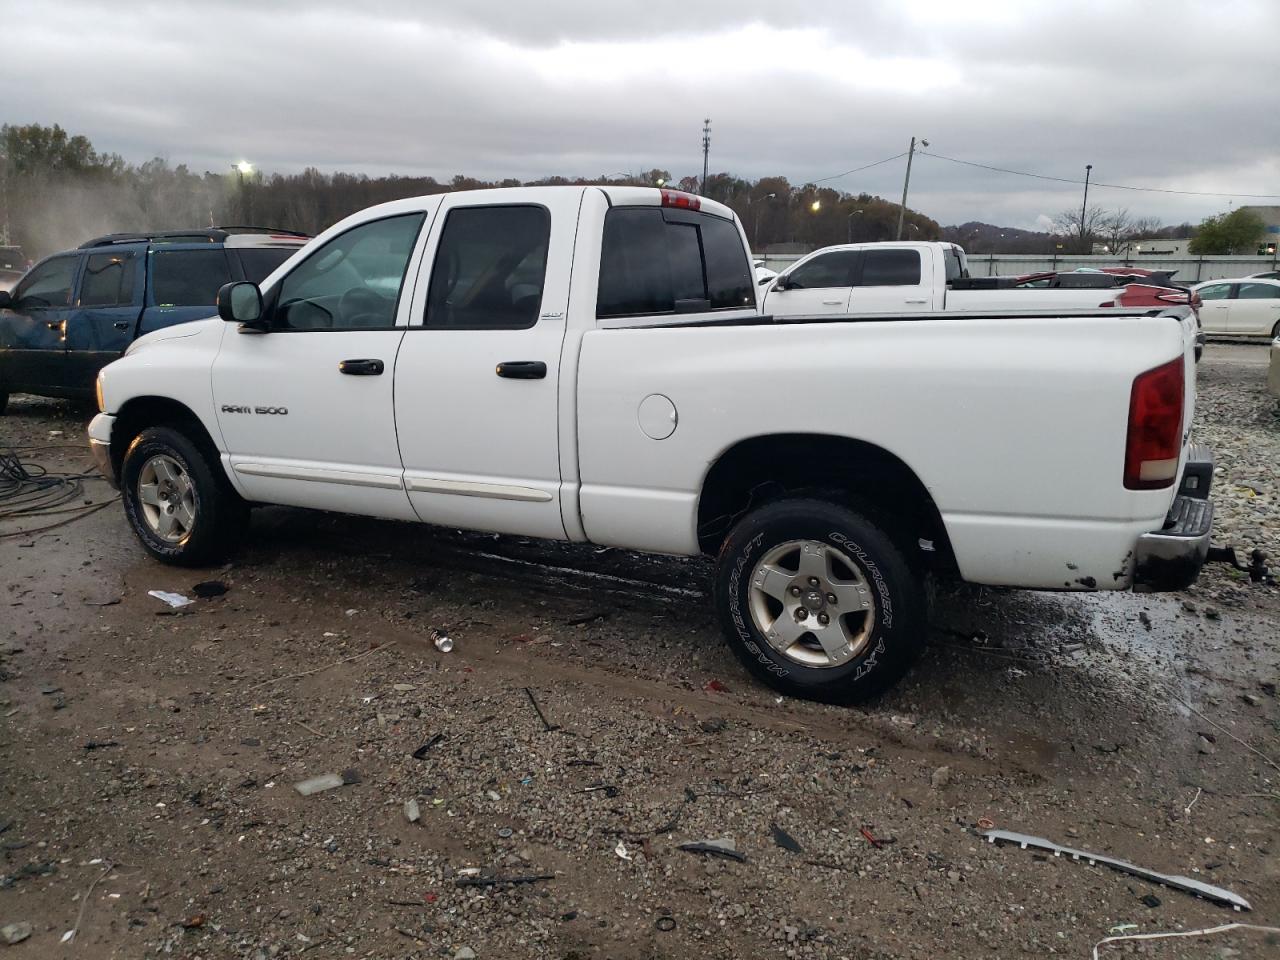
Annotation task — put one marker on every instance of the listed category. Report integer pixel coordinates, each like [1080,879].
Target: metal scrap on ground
[1186,884]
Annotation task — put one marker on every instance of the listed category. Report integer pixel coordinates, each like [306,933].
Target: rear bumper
[100,446]
[1171,558]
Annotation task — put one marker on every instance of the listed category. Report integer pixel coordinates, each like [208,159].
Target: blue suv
[75,312]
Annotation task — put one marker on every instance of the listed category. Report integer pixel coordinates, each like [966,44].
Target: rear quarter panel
[1015,426]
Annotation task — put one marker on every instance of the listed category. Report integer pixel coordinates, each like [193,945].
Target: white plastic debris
[174,600]
[318,784]
[411,811]
[621,851]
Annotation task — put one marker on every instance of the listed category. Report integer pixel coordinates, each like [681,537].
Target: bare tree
[1084,228]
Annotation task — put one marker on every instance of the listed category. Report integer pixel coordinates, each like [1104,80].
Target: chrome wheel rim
[813,603]
[166,497]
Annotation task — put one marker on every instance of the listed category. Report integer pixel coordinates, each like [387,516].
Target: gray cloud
[1169,94]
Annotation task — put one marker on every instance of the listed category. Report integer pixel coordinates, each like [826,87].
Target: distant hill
[978,237]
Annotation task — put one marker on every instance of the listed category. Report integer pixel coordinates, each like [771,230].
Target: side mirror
[240,302]
[763,280]
[782,284]
[6,299]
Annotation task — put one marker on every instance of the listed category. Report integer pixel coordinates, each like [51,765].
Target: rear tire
[4,401]
[818,602]
[178,501]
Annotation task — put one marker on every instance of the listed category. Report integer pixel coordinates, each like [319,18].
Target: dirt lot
[147,757]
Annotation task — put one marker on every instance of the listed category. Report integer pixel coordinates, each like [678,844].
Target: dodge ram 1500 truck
[910,277]
[589,364]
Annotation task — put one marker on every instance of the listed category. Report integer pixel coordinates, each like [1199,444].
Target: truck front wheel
[177,500]
[818,602]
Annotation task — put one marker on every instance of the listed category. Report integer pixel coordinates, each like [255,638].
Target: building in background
[1270,217]
[1144,248]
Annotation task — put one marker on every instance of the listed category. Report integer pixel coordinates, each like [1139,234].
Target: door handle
[522,369]
[921,300]
[832,303]
[362,368]
[121,324]
[53,324]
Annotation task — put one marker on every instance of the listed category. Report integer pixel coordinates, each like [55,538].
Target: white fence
[1189,269]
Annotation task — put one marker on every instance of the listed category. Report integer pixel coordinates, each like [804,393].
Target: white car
[590,364]
[763,273]
[1269,275]
[1240,308]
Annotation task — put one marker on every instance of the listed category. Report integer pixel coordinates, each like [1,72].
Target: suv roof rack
[202,235]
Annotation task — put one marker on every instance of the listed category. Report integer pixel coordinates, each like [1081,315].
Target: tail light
[1173,297]
[677,198]
[1107,303]
[1154,442]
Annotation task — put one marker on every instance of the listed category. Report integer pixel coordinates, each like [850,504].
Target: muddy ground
[147,757]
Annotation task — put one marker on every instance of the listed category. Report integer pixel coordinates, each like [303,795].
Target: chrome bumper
[100,446]
[1170,558]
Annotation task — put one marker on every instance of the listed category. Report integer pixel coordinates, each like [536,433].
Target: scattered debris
[109,602]
[940,778]
[1187,809]
[785,840]
[505,832]
[411,811]
[588,618]
[465,953]
[715,686]
[441,640]
[1204,745]
[714,725]
[1185,884]
[724,847]
[985,823]
[1123,928]
[665,924]
[175,600]
[1207,931]
[1144,618]
[1150,900]
[494,881]
[208,589]
[194,922]
[549,727]
[621,851]
[13,933]
[421,752]
[327,781]
[875,841]
[670,825]
[403,687]
[96,745]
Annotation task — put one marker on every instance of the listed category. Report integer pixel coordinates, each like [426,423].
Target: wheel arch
[140,413]
[769,467]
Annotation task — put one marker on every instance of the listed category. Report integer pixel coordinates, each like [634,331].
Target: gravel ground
[149,756]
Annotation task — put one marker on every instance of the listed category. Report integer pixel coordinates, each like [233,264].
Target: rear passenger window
[489,268]
[108,280]
[187,278]
[259,262]
[890,268]
[656,261]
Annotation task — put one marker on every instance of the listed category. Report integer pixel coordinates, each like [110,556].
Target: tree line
[56,191]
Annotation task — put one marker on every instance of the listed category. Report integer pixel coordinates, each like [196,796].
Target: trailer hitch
[1256,568]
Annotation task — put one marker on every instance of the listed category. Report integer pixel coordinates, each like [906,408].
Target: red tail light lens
[1154,442]
[1173,297]
[677,198]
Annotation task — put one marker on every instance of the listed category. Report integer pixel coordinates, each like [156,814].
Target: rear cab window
[658,260]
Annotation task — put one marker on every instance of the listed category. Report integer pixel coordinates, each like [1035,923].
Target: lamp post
[849,224]
[902,211]
[243,169]
[1084,207]
[755,229]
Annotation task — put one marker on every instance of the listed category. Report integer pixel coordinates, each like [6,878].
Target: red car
[1142,288]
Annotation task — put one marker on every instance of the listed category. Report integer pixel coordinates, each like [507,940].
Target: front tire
[818,602]
[177,500]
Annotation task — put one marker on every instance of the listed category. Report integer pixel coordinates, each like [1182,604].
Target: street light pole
[1084,207]
[902,211]
[849,223]
[706,152]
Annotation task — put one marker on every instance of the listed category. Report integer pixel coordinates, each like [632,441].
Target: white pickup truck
[909,277]
[590,364]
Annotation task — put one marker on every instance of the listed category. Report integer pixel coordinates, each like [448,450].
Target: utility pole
[902,211]
[706,152]
[1084,209]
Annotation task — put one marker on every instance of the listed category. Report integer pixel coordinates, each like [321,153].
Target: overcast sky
[1160,93]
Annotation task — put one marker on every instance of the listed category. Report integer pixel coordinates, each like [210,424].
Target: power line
[1095,183]
[896,156]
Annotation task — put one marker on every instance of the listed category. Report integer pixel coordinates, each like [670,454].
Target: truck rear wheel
[818,602]
[177,500]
